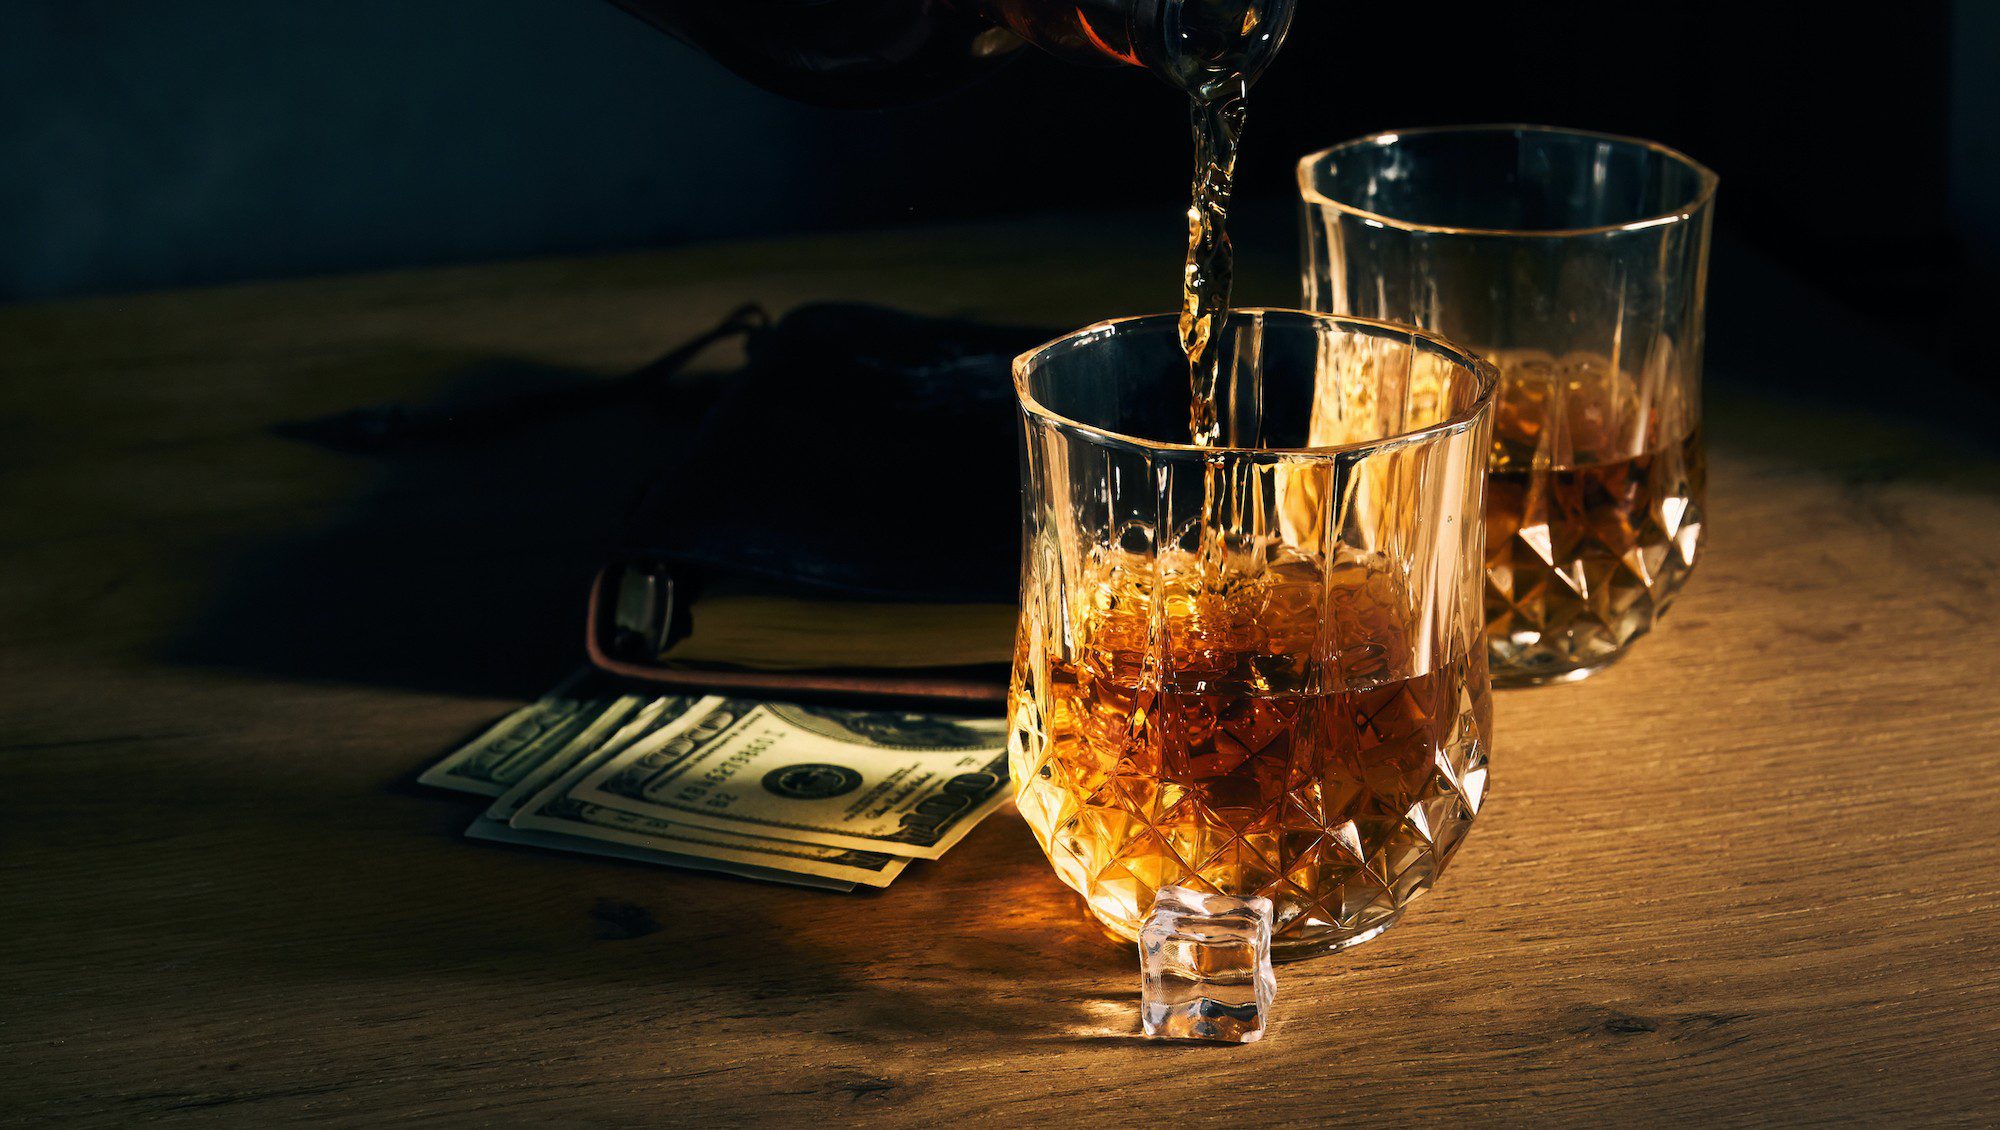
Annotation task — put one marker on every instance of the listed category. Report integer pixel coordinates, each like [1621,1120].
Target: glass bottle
[871,52]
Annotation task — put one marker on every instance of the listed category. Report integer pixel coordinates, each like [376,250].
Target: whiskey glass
[1576,263]
[1254,668]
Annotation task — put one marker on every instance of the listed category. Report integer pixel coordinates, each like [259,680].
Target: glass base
[1283,950]
[1504,678]
[1304,949]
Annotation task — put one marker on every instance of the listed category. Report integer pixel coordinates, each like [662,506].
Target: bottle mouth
[1211,48]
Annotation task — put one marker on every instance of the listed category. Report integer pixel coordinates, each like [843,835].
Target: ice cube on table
[1205,966]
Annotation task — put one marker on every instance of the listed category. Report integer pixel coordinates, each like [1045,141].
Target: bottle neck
[1201,46]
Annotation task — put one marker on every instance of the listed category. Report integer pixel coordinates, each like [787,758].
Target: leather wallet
[846,520]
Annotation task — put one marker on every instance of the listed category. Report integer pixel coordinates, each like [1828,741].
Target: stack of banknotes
[809,795]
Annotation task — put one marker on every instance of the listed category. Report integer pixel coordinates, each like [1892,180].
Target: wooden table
[1749,874]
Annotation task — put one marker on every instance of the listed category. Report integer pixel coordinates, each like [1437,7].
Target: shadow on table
[465,566]
[1017,959]
[984,947]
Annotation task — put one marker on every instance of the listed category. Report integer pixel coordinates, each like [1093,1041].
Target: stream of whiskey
[1218,131]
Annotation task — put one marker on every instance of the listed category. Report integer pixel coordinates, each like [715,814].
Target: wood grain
[1748,875]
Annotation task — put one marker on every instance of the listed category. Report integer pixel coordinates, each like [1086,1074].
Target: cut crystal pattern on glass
[1340,806]
[1586,547]
[1249,672]
[1205,967]
[1577,264]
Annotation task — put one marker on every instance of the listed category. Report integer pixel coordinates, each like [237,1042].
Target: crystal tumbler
[1576,263]
[1253,669]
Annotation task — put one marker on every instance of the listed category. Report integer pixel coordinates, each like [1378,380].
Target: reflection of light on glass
[1656,221]
[995,41]
[1373,223]
[1537,538]
[1387,138]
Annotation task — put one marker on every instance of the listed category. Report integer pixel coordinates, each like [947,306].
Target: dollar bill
[498,759]
[649,717]
[552,816]
[890,782]
[487,828]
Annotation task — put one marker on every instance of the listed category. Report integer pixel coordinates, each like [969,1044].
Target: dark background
[148,145]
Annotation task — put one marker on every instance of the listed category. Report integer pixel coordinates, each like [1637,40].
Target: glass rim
[1481,369]
[1705,179]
